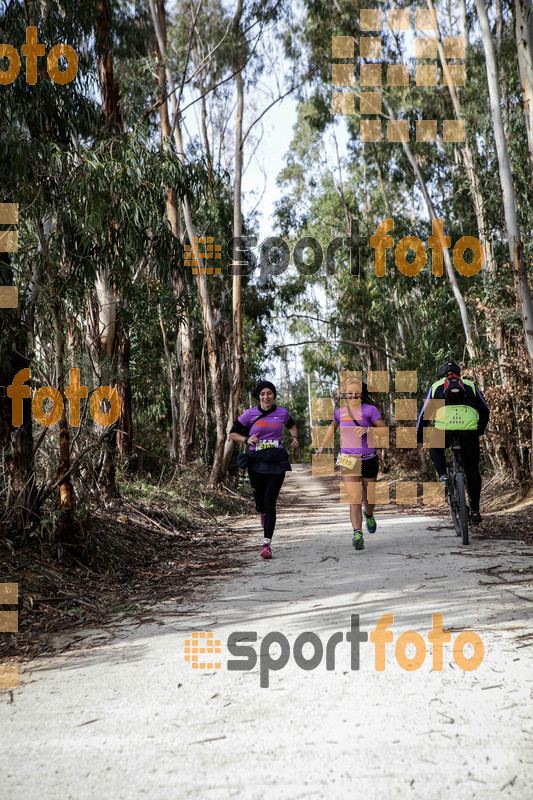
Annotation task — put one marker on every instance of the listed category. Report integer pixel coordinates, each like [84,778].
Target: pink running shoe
[266,552]
[263,517]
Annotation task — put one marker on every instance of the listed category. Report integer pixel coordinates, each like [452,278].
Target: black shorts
[369,468]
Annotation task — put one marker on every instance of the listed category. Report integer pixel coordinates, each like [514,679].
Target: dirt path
[133,719]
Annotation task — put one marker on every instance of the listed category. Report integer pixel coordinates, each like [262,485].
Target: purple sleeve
[374,414]
[337,416]
[244,419]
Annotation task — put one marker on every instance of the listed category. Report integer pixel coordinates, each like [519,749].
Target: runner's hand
[253,439]
[294,442]
[319,451]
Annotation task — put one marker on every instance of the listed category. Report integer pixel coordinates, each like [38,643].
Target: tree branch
[273,103]
[364,345]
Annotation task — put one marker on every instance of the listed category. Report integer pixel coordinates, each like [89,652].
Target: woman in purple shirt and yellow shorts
[261,427]
[357,460]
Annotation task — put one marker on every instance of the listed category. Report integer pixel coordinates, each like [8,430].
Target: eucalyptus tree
[201,277]
[35,119]
[204,50]
[516,256]
[464,198]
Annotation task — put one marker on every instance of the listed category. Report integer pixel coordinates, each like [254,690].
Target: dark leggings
[266,489]
[470,458]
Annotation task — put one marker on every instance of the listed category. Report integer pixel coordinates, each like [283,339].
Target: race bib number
[266,443]
[346,461]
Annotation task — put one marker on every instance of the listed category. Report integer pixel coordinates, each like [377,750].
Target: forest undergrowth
[157,542]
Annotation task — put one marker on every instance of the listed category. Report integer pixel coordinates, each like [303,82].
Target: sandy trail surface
[132,718]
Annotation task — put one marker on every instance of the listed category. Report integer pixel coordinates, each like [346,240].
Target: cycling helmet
[447,367]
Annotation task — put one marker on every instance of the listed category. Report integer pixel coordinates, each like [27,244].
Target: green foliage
[399,322]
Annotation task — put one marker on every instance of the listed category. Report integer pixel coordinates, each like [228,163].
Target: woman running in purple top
[262,428]
[358,461]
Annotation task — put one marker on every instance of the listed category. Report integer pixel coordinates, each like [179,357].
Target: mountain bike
[457,491]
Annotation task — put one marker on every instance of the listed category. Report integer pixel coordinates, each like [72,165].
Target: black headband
[263,385]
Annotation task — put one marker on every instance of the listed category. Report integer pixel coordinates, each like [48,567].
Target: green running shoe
[358,541]
[371,523]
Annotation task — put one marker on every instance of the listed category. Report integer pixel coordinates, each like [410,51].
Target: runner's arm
[238,433]
[238,437]
[378,423]
[294,433]
[329,435]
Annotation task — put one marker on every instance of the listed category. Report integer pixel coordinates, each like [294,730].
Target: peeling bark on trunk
[188,394]
[107,313]
[501,74]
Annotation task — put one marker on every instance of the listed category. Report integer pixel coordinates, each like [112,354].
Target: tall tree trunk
[102,35]
[188,391]
[201,278]
[120,444]
[65,484]
[107,314]
[523,20]
[237,362]
[206,144]
[501,73]
[377,159]
[188,364]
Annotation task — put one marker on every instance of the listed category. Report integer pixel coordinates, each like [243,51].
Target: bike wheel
[461,506]
[452,498]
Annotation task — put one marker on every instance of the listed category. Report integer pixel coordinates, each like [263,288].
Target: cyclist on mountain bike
[465,414]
